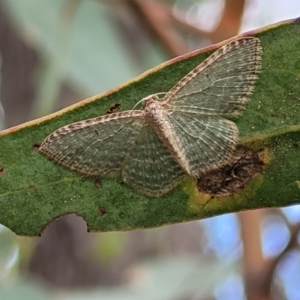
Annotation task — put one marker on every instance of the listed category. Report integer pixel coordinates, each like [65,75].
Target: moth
[186,133]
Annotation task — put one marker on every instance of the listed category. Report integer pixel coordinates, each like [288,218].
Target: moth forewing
[96,146]
[222,84]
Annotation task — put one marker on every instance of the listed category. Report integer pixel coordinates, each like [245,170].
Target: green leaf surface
[34,190]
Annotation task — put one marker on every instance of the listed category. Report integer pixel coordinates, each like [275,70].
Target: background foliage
[111,45]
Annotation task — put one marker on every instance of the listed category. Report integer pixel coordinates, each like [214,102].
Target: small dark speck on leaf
[114,108]
[296,145]
[98,184]
[2,170]
[101,211]
[36,147]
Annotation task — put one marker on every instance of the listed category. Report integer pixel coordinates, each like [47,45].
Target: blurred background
[55,53]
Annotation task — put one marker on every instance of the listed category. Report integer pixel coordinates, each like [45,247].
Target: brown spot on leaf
[2,170]
[101,211]
[114,108]
[98,184]
[36,147]
[226,181]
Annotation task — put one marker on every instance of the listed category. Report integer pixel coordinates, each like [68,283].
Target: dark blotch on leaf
[296,145]
[98,184]
[2,170]
[36,147]
[226,181]
[114,108]
[101,211]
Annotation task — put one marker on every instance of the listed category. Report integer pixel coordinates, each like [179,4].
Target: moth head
[145,101]
[150,98]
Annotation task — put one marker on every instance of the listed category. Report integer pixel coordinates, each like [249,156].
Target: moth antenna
[161,93]
[150,96]
[138,103]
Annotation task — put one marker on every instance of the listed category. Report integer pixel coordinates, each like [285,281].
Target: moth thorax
[153,109]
